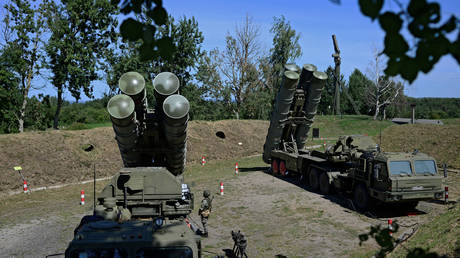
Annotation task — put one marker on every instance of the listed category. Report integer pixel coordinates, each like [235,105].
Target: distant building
[416,121]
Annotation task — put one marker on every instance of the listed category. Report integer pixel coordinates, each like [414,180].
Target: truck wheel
[283,167]
[324,185]
[361,198]
[275,167]
[313,179]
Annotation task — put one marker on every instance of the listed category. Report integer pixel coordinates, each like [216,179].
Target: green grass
[81,126]
[451,121]
[334,126]
[442,236]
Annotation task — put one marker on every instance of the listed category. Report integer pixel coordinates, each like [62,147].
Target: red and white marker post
[26,188]
[221,188]
[236,168]
[390,227]
[82,197]
[203,160]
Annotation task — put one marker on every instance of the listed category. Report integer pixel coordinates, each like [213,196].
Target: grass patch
[442,235]
[451,121]
[334,126]
[62,202]
[82,126]
[439,141]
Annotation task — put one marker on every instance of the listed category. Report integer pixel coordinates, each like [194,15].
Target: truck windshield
[400,168]
[425,166]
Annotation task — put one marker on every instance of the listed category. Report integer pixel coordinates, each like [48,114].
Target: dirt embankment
[55,157]
[440,141]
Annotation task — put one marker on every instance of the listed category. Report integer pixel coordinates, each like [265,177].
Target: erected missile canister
[173,110]
[150,137]
[121,109]
[306,75]
[292,67]
[165,84]
[313,96]
[176,108]
[133,85]
[280,112]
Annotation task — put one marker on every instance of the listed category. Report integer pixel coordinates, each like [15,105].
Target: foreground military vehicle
[143,211]
[354,164]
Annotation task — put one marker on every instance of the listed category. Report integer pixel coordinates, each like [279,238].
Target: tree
[238,65]
[10,94]
[186,38]
[27,29]
[383,91]
[286,48]
[81,34]
[327,96]
[357,85]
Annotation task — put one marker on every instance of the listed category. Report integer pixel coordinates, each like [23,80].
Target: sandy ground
[278,216]
[37,238]
[281,217]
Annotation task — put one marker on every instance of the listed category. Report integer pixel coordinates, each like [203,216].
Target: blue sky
[316,21]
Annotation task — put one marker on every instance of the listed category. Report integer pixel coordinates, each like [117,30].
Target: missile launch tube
[176,108]
[121,109]
[133,85]
[280,112]
[165,84]
[313,96]
[306,75]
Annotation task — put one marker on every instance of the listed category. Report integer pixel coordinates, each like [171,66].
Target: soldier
[205,210]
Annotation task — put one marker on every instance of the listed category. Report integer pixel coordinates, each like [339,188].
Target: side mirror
[376,171]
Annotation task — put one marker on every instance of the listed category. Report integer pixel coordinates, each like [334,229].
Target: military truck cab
[405,177]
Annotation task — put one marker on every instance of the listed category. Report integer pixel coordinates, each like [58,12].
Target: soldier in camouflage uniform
[205,210]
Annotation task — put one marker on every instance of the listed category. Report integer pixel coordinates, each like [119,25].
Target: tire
[283,167]
[275,167]
[313,179]
[324,186]
[361,198]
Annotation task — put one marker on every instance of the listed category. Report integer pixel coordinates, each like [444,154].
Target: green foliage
[327,96]
[286,48]
[10,95]
[143,30]
[24,29]
[39,113]
[382,237]
[433,108]
[81,34]
[421,19]
[357,85]
[257,105]
[187,38]
[387,243]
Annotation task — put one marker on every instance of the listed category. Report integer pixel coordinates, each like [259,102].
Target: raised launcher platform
[147,192]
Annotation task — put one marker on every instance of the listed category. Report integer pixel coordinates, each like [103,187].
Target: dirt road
[278,217]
